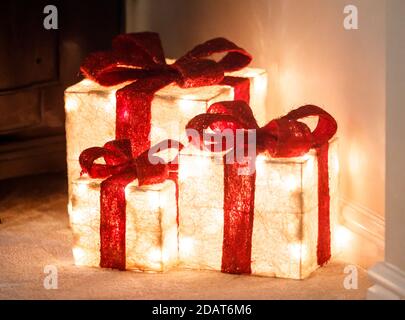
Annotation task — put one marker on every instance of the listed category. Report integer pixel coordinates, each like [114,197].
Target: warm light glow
[356,160]
[342,237]
[335,163]
[290,182]
[71,104]
[154,200]
[261,164]
[186,245]
[70,207]
[109,106]
[193,167]
[187,103]
[78,216]
[87,83]
[79,256]
[285,217]
[260,84]
[82,189]
[165,256]
[151,235]
[155,255]
[298,251]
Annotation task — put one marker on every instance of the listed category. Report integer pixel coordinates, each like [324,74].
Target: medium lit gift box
[132,93]
[128,220]
[276,222]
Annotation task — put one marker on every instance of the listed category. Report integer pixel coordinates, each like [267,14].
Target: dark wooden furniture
[36,65]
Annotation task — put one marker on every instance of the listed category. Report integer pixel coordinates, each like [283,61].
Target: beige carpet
[34,232]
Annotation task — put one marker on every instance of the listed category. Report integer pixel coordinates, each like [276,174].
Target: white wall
[395,208]
[310,58]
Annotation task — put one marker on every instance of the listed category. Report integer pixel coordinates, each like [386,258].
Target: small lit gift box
[132,93]
[127,221]
[276,221]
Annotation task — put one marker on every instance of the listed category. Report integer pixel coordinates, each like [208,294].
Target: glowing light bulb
[87,83]
[298,251]
[261,164]
[79,256]
[77,216]
[290,182]
[155,255]
[186,245]
[186,104]
[70,207]
[82,189]
[71,104]
[154,200]
[109,106]
[165,256]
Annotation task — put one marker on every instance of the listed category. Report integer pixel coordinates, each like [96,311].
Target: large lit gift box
[132,93]
[128,219]
[276,221]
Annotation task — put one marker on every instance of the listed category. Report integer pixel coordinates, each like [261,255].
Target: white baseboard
[368,233]
[389,282]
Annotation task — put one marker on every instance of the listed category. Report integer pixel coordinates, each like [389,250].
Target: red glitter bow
[139,58]
[280,138]
[120,169]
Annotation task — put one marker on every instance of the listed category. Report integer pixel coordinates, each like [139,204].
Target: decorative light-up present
[129,220]
[131,93]
[151,227]
[276,222]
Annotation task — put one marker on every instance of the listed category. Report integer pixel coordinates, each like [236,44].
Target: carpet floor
[34,233]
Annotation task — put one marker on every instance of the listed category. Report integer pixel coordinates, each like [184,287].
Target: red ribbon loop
[281,138]
[139,58]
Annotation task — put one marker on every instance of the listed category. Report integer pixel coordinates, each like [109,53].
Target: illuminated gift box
[91,107]
[285,220]
[123,212]
[151,227]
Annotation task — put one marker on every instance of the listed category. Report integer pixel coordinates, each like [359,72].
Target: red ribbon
[280,138]
[139,58]
[119,170]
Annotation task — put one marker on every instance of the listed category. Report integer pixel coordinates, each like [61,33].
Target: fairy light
[78,216]
[261,164]
[186,245]
[153,200]
[79,256]
[298,251]
[187,103]
[87,83]
[109,106]
[71,104]
[155,255]
[82,189]
[290,182]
